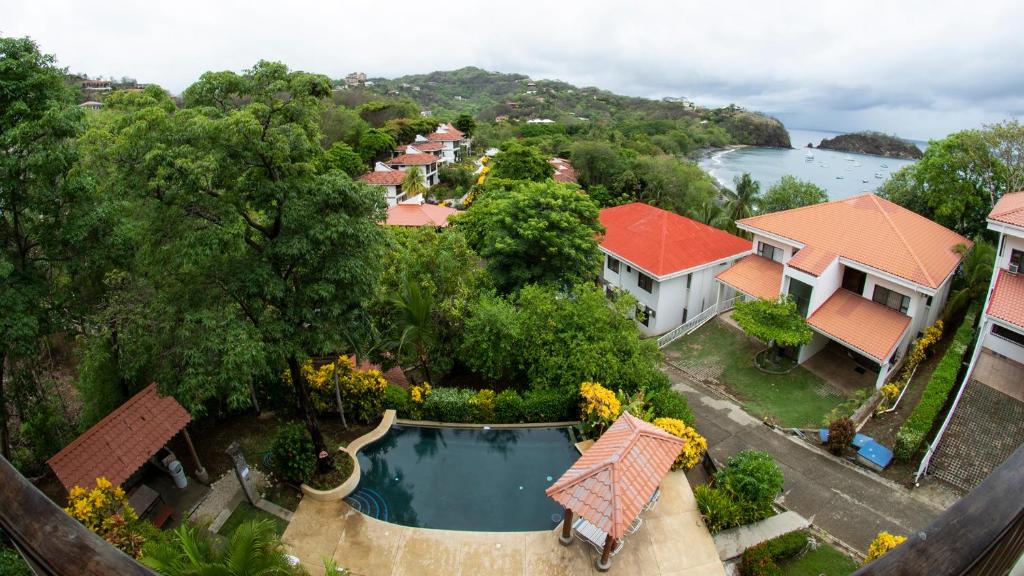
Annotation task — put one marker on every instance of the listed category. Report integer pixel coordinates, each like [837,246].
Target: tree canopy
[519,162]
[775,322]
[790,192]
[535,232]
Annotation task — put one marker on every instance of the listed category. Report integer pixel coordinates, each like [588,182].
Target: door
[854,280]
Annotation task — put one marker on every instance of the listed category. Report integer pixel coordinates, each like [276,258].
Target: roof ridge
[913,254]
[809,206]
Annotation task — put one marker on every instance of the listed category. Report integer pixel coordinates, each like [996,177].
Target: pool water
[464,478]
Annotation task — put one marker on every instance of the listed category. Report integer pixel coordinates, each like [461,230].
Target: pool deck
[672,541]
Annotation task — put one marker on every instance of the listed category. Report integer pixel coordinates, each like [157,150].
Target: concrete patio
[672,541]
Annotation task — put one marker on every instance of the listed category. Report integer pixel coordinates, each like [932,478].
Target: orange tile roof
[420,215]
[389,178]
[755,276]
[564,172]
[613,480]
[812,260]
[421,146]
[663,242]
[874,232]
[1009,209]
[861,323]
[122,442]
[1007,301]
[412,160]
[445,136]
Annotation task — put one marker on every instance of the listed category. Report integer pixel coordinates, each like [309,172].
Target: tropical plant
[415,324]
[711,213]
[413,184]
[882,544]
[719,509]
[695,445]
[291,454]
[975,274]
[482,406]
[636,404]
[520,162]
[776,322]
[754,479]
[600,408]
[254,548]
[789,193]
[743,201]
[465,123]
[105,511]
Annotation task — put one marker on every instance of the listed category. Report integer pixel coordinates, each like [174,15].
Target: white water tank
[178,474]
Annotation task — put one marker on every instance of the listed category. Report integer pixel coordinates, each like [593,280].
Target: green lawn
[825,561]
[798,399]
[245,513]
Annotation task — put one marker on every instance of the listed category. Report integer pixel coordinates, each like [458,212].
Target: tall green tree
[341,156]
[668,183]
[1006,142]
[790,192]
[597,163]
[975,274]
[743,201]
[38,122]
[465,124]
[520,162]
[279,253]
[412,184]
[777,323]
[535,233]
[375,144]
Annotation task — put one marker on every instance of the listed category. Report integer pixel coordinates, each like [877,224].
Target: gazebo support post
[201,474]
[566,537]
[606,555]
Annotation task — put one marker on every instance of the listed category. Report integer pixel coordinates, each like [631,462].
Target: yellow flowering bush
[600,407]
[418,394]
[882,544]
[105,511]
[362,391]
[695,445]
[890,392]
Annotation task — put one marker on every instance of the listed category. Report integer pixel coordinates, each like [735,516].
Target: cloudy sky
[920,69]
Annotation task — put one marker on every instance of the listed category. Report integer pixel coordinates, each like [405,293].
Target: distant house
[420,214]
[427,163]
[564,171]
[97,85]
[540,121]
[501,118]
[389,179]
[421,147]
[355,80]
[91,105]
[868,275]
[425,113]
[454,142]
[668,262]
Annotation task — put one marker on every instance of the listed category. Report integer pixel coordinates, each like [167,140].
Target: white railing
[697,321]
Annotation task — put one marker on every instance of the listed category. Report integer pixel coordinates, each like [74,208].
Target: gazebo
[615,479]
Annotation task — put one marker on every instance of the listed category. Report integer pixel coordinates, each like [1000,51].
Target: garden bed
[342,470]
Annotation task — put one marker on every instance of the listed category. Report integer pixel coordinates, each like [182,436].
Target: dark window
[629,268]
[613,264]
[1015,337]
[1016,259]
[801,295]
[853,280]
[685,311]
[644,314]
[928,302]
[645,282]
[768,251]
[795,250]
[689,280]
[891,299]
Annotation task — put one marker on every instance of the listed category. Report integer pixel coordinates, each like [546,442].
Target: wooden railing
[982,534]
[697,321]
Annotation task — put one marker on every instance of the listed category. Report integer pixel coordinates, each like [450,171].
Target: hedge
[760,560]
[936,393]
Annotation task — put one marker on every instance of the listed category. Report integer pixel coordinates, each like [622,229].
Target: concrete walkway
[850,504]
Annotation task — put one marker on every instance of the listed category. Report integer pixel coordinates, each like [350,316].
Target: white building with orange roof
[427,164]
[389,179]
[454,142]
[868,275]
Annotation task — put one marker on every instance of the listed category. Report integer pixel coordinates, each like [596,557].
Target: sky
[914,68]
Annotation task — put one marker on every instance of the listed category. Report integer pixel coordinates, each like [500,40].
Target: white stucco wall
[787,249]
[1011,350]
[817,343]
[1011,242]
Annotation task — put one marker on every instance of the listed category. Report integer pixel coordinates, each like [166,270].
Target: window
[891,299]
[768,251]
[645,282]
[1007,334]
[613,264]
[928,302]
[854,280]
[689,280]
[801,295]
[1016,260]
[685,313]
[644,314]
[795,250]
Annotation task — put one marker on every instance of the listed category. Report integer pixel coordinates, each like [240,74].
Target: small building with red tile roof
[426,163]
[564,172]
[667,261]
[420,214]
[122,442]
[1002,322]
[871,274]
[388,178]
[454,142]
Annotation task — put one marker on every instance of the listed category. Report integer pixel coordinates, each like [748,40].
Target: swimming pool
[464,478]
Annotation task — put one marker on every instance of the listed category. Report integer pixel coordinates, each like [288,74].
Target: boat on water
[863,181]
[809,156]
[849,159]
[884,165]
[879,175]
[840,177]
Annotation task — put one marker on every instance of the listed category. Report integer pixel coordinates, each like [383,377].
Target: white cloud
[918,68]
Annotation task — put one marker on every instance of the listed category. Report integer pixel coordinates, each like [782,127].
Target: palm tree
[975,270]
[710,213]
[190,550]
[742,202]
[416,322]
[413,184]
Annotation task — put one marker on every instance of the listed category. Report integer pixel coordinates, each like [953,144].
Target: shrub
[291,455]
[717,507]
[482,406]
[695,445]
[636,404]
[397,398]
[840,433]
[669,403]
[600,407]
[753,480]
[882,544]
[448,405]
[362,392]
[761,560]
[105,511]
[936,392]
[12,564]
[549,405]
[509,407]
[890,392]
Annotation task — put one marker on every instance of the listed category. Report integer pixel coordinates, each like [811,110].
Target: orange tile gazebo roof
[613,480]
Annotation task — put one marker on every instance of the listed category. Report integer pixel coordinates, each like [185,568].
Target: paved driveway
[850,504]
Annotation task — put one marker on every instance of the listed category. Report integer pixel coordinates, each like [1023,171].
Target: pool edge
[353,448]
[436,424]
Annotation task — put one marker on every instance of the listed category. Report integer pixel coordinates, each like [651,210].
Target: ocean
[841,174]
